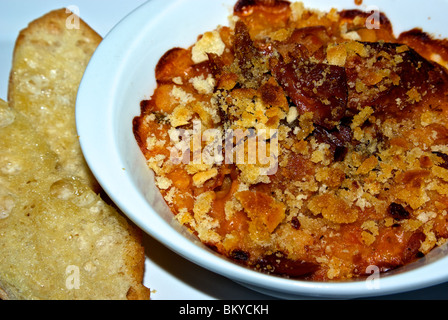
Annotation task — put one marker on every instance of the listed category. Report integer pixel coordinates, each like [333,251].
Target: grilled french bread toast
[59,240]
[49,60]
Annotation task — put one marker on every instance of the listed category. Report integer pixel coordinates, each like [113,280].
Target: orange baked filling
[362,129]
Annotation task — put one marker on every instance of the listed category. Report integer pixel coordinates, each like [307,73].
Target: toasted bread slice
[49,60]
[58,238]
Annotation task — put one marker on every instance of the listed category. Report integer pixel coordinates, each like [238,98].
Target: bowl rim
[97,97]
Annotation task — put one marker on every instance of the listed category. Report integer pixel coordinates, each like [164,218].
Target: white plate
[169,275]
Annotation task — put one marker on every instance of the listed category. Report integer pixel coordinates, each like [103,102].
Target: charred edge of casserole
[246,7]
[354,13]
[425,43]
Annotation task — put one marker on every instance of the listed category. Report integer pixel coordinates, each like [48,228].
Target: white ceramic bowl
[121,74]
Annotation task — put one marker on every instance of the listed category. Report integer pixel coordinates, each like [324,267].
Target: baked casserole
[302,143]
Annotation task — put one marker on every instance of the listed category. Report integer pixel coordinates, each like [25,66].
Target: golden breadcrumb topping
[353,123]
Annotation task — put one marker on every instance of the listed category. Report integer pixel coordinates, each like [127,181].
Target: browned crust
[352,14]
[3,295]
[135,263]
[245,7]
[425,43]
